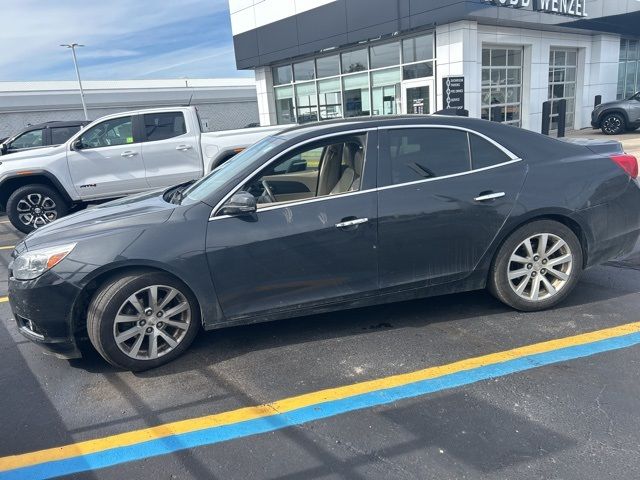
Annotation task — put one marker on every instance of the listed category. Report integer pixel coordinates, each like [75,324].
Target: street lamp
[73,46]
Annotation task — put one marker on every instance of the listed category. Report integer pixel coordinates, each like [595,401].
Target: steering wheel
[268,192]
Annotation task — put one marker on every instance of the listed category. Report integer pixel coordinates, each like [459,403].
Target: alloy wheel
[540,267]
[35,210]
[152,322]
[612,124]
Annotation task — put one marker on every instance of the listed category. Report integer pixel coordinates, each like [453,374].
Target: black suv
[42,135]
[614,118]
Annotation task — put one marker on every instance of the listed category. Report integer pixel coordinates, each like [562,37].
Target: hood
[615,103]
[135,211]
[32,153]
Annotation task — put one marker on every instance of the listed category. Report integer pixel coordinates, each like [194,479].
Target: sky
[124,39]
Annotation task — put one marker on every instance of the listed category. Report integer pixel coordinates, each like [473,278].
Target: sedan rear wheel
[143,320]
[537,266]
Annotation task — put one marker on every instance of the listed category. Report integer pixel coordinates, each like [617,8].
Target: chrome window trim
[514,159]
[444,177]
[294,203]
[510,154]
[215,210]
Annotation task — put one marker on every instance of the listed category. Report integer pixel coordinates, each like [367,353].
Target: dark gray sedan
[325,217]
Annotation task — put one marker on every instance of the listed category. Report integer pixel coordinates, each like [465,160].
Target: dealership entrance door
[418,96]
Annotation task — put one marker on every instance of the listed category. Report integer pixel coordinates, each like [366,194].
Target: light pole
[73,46]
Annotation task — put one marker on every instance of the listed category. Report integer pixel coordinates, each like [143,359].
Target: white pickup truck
[114,156]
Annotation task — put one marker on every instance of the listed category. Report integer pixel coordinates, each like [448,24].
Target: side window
[484,153]
[160,126]
[317,170]
[27,140]
[420,153]
[60,135]
[116,131]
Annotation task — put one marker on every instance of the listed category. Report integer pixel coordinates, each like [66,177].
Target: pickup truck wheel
[613,124]
[33,206]
[142,320]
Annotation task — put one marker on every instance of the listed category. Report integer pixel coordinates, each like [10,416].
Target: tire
[613,124]
[509,262]
[35,205]
[116,298]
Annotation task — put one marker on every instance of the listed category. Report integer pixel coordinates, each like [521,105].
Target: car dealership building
[498,59]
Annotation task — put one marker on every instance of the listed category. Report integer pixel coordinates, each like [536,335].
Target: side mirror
[4,149]
[241,203]
[297,166]
[77,144]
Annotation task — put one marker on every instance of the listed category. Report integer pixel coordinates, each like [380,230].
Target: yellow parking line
[8,247]
[139,438]
[4,221]
[4,299]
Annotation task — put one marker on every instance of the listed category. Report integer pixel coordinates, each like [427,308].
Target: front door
[418,97]
[440,208]
[313,239]
[108,162]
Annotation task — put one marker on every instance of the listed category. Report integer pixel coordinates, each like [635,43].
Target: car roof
[56,123]
[330,126]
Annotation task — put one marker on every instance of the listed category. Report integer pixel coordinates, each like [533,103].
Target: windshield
[228,170]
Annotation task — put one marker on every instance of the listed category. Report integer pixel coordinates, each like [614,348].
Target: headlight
[32,264]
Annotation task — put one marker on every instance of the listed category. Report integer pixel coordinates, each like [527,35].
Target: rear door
[171,149]
[109,162]
[445,193]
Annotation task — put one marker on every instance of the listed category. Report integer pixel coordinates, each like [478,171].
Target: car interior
[322,171]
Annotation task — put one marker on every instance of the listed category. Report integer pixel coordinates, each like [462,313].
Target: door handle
[352,223]
[184,148]
[489,196]
[128,154]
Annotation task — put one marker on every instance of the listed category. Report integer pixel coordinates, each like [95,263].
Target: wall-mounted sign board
[572,8]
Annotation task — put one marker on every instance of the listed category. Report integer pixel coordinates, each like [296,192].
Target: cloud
[123,38]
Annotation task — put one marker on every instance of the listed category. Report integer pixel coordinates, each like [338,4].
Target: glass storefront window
[417,49]
[355,61]
[366,81]
[282,75]
[562,83]
[385,91]
[306,102]
[355,92]
[502,85]
[284,105]
[629,68]
[330,99]
[327,66]
[417,70]
[304,71]
[385,55]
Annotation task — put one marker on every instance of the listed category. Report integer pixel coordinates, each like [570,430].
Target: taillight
[628,163]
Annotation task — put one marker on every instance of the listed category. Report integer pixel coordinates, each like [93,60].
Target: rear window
[421,153]
[60,135]
[160,126]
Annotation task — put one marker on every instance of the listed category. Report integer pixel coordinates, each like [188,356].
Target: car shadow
[212,347]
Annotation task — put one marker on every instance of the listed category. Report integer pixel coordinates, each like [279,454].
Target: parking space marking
[244,422]
[8,247]
[4,299]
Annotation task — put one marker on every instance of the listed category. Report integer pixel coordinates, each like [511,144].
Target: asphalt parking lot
[567,410]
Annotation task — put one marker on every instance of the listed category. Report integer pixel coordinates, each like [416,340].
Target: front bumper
[43,310]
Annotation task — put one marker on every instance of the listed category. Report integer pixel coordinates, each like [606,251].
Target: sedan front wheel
[537,266]
[142,320]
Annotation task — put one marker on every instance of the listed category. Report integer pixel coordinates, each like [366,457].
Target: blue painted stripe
[311,413]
